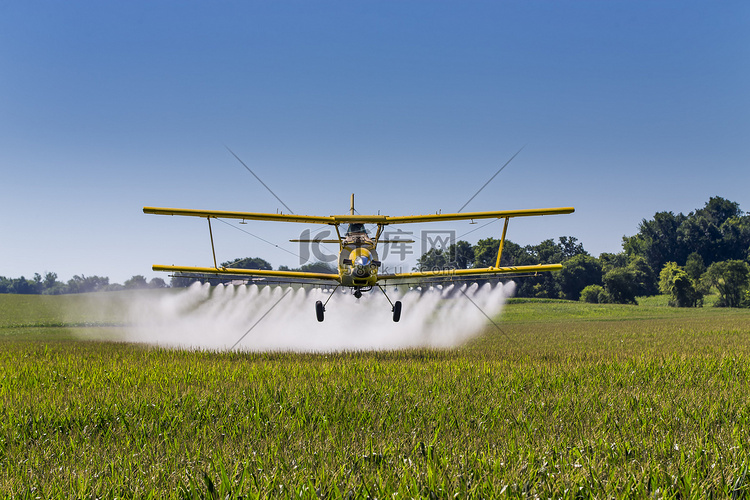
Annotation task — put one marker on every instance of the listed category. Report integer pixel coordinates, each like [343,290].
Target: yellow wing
[451,273]
[502,214]
[221,214]
[228,271]
[366,219]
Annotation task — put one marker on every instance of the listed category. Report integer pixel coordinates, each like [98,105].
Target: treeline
[49,285]
[252,263]
[682,256]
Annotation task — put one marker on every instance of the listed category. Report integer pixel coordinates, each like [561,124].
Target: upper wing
[366,219]
[228,271]
[450,273]
[239,215]
[502,214]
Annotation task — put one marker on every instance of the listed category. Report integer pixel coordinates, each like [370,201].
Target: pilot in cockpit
[357,229]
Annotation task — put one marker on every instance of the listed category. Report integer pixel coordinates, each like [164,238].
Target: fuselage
[358,259]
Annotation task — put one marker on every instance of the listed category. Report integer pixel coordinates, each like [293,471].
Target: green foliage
[432,260]
[485,253]
[719,231]
[679,286]
[23,286]
[611,261]
[248,263]
[135,283]
[657,240]
[644,276]
[157,283]
[241,263]
[547,285]
[593,294]
[319,267]
[577,273]
[621,285]
[732,279]
[50,281]
[86,284]
[629,277]
[694,266]
[569,400]
[461,254]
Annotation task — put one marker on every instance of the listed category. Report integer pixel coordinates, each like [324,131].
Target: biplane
[358,263]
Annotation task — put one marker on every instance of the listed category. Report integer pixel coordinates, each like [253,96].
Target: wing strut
[211,235]
[502,242]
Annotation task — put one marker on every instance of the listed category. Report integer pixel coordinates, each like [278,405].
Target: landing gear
[320,307]
[319,310]
[395,306]
[396,311]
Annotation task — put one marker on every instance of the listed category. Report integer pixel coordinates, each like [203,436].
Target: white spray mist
[282,319]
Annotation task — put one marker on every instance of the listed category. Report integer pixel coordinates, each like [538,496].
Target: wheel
[397,311]
[319,310]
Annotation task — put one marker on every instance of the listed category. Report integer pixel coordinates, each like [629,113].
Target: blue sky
[622,109]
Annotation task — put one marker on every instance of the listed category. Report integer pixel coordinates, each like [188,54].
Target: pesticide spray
[269,318]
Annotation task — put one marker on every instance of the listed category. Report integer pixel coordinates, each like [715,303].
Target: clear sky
[623,108]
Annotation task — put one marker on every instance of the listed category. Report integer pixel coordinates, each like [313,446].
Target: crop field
[559,400]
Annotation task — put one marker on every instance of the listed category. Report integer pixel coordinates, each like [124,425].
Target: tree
[699,234]
[547,285]
[611,261]
[157,283]
[694,266]
[718,231]
[83,284]
[718,210]
[645,278]
[679,286]
[22,286]
[460,254]
[241,263]
[248,263]
[620,284]
[594,294]
[735,233]
[485,252]
[50,280]
[657,240]
[732,279]
[136,282]
[183,281]
[433,259]
[570,247]
[577,273]
[319,267]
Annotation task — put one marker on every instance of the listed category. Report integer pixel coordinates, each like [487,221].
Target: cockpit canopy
[357,228]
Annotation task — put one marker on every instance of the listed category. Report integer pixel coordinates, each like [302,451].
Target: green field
[564,400]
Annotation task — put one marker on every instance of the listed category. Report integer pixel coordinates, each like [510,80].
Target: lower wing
[448,274]
[250,273]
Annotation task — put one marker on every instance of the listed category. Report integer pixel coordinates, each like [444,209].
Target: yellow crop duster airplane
[358,262]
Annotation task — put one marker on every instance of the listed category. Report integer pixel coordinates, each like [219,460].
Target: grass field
[564,400]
